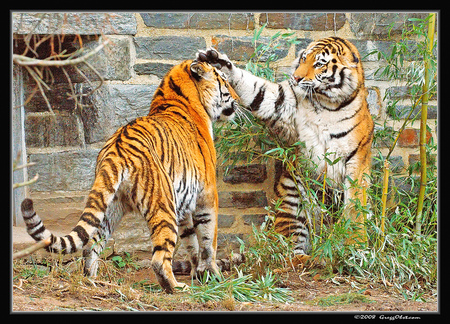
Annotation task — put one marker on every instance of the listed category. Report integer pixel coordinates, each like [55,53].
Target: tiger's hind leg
[163,228]
[91,255]
[205,225]
[189,240]
[114,213]
[293,217]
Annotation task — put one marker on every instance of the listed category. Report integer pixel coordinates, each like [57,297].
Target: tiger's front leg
[205,225]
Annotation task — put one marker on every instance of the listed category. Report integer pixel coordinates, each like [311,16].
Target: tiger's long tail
[90,222]
[34,224]
[71,243]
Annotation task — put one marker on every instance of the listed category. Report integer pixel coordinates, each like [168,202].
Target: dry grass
[55,285]
[113,289]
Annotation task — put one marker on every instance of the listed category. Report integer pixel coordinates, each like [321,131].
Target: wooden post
[18,143]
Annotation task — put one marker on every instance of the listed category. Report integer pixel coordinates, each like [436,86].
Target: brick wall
[144,46]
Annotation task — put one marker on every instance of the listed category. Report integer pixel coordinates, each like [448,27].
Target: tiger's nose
[297,78]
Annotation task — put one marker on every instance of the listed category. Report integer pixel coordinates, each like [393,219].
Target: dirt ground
[39,291]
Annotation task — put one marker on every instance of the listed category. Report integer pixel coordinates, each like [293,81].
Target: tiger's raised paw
[214,58]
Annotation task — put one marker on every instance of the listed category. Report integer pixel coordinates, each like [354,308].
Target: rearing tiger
[323,104]
[162,166]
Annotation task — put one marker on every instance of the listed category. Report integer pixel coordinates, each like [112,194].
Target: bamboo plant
[423,125]
[420,89]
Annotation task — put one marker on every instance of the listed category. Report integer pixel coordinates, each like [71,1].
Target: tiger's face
[328,69]
[216,94]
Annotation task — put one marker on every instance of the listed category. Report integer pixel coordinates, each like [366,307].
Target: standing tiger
[323,104]
[163,166]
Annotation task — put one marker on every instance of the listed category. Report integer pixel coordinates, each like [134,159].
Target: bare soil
[36,289]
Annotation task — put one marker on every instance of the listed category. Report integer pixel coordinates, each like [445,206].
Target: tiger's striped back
[161,166]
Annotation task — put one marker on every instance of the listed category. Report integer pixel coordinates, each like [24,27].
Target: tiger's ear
[198,69]
[300,54]
[295,64]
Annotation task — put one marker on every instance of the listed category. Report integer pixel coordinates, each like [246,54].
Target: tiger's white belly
[315,131]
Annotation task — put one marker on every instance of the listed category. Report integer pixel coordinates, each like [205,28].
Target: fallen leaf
[367,292]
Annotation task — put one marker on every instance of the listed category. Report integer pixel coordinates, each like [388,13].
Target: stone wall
[143,47]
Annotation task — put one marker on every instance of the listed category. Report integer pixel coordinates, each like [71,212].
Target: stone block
[113,106]
[132,234]
[242,199]
[112,62]
[302,43]
[227,242]
[158,69]
[373,72]
[98,115]
[57,96]
[410,137]
[199,20]
[397,164]
[45,130]
[64,171]
[304,21]
[170,20]
[398,92]
[283,73]
[168,47]
[414,158]
[111,23]
[130,101]
[406,183]
[256,219]
[241,48]
[374,101]
[252,173]
[402,111]
[365,47]
[376,25]
[384,136]
[225,221]
[403,92]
